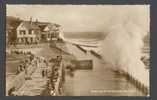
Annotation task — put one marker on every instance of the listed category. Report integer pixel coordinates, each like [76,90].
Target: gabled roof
[43,25]
[30,25]
[40,25]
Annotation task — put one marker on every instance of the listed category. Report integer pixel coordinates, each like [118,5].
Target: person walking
[43,73]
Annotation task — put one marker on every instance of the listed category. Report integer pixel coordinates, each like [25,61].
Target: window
[31,39]
[22,32]
[49,35]
[54,34]
[30,31]
[22,40]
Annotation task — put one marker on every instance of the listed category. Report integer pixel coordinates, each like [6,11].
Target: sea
[100,78]
[91,41]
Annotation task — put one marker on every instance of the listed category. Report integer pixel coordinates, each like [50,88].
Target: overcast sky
[82,17]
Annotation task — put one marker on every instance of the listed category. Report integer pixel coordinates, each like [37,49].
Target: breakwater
[92,52]
[79,47]
[96,54]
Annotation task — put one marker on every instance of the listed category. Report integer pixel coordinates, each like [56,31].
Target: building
[28,32]
[49,31]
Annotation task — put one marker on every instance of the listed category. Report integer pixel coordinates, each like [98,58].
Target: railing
[59,82]
[56,79]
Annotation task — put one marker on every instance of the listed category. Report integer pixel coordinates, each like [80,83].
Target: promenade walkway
[35,85]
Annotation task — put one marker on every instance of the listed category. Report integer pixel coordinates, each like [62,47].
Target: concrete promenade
[35,85]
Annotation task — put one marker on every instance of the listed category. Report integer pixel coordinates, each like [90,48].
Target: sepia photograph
[77,50]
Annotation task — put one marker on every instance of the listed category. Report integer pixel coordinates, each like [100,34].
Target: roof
[49,25]
[30,25]
[40,25]
[13,23]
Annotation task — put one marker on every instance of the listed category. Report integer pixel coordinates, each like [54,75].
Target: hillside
[13,21]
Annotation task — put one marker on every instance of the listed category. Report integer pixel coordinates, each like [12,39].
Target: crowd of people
[27,66]
[49,69]
[55,76]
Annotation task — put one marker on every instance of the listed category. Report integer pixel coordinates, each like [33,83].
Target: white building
[50,31]
[28,32]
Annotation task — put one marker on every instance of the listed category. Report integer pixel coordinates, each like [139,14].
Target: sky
[82,18]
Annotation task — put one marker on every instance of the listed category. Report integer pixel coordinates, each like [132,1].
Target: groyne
[82,49]
[96,54]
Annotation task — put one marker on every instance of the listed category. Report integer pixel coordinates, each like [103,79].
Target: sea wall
[139,77]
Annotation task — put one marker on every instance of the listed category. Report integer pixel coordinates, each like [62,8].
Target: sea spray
[122,46]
